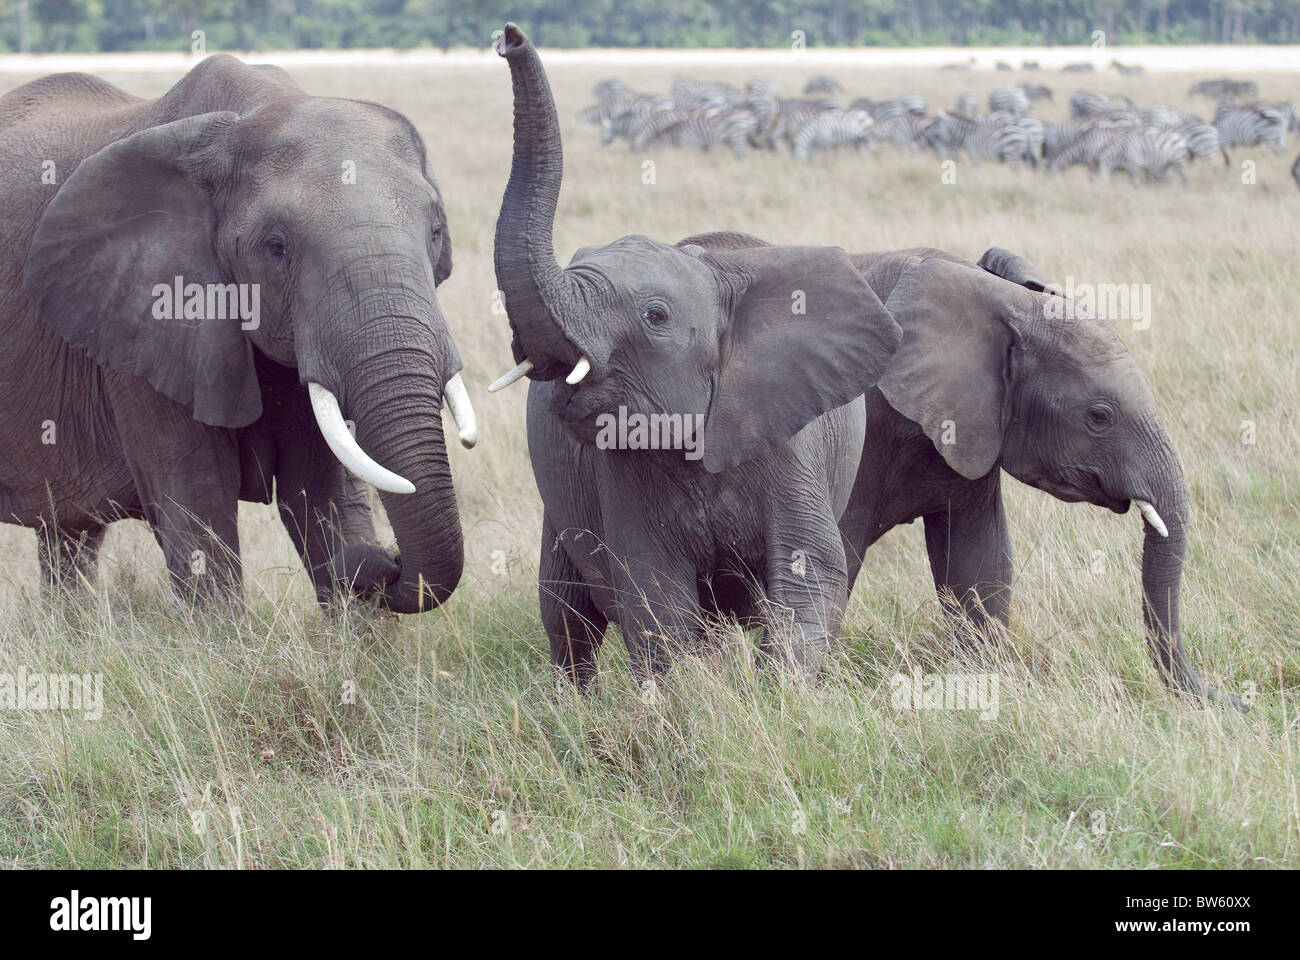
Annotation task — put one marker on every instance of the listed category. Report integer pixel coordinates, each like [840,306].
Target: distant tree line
[86,25]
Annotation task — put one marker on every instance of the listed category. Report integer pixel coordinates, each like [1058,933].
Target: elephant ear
[1011,266]
[131,218]
[960,353]
[805,335]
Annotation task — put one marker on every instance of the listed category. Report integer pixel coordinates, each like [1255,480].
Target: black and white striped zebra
[966,105]
[994,138]
[1080,143]
[1151,150]
[832,129]
[1252,126]
[625,115]
[822,83]
[1009,99]
[793,115]
[1084,104]
[692,94]
[904,132]
[700,128]
[1203,140]
[1224,87]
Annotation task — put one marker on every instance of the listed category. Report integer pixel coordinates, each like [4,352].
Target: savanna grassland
[237,741]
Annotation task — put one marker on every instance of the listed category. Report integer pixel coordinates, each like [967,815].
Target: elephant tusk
[1153,518]
[580,370]
[503,381]
[456,397]
[335,431]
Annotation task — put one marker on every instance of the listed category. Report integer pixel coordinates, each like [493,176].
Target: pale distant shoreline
[1207,59]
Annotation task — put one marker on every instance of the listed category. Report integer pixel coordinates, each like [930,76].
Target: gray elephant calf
[997,372]
[189,288]
[758,359]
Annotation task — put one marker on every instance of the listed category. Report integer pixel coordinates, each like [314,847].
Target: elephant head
[1027,379]
[752,343]
[305,228]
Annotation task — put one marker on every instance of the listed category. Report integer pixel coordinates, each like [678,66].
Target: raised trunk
[537,293]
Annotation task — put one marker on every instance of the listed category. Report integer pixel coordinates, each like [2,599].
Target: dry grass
[458,752]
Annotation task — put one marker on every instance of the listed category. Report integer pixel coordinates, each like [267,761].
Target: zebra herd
[1104,133]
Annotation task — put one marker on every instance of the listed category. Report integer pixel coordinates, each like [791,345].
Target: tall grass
[288,738]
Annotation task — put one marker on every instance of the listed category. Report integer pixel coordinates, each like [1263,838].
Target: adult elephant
[752,364]
[189,288]
[997,372]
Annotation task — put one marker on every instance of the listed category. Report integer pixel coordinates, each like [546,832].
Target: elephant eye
[655,316]
[1099,415]
[275,247]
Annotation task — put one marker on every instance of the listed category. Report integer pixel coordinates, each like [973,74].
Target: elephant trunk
[396,400]
[537,292]
[1162,572]
[386,362]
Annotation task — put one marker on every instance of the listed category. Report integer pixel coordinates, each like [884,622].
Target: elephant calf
[757,358]
[997,372]
[189,288]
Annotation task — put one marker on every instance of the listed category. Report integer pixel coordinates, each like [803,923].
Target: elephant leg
[188,478]
[970,558]
[574,624]
[657,600]
[807,589]
[68,555]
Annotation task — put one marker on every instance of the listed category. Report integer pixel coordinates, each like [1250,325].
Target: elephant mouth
[581,409]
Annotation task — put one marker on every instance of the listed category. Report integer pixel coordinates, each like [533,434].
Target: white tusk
[456,397]
[503,381]
[335,431]
[580,370]
[1152,517]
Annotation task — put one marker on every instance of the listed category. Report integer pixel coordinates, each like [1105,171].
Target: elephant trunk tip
[512,39]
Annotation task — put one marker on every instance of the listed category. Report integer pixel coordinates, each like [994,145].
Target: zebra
[1217,89]
[619,121]
[1203,140]
[1084,104]
[1150,149]
[692,94]
[1078,68]
[1010,99]
[610,89]
[1036,91]
[1128,70]
[988,139]
[903,132]
[1252,126]
[702,128]
[913,103]
[831,129]
[1159,115]
[967,105]
[794,115]
[1087,142]
[822,83]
